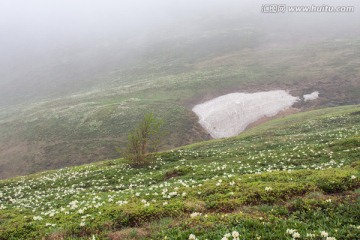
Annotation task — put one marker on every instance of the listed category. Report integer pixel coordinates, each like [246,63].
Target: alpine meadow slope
[292,177]
[90,125]
[257,115]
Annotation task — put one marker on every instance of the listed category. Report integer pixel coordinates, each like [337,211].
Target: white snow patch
[230,114]
[311,96]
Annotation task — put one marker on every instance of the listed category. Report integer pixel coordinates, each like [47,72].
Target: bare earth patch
[129,233]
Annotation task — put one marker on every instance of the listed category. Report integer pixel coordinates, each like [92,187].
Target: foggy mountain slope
[88,127]
[90,65]
[72,102]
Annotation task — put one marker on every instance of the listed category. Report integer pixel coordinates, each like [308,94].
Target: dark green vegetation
[295,175]
[143,140]
[168,81]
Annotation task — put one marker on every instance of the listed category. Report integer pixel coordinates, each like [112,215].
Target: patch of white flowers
[293,232]
[323,234]
[37,218]
[234,236]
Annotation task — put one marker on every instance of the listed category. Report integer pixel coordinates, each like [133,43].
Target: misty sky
[35,24]
[44,21]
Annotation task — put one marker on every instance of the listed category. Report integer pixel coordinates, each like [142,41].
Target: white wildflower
[195,214]
[324,234]
[290,231]
[235,234]
[330,238]
[296,235]
[192,237]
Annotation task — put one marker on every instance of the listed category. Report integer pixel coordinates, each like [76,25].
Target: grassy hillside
[168,81]
[294,177]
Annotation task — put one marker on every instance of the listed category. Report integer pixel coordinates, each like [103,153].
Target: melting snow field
[228,115]
[311,96]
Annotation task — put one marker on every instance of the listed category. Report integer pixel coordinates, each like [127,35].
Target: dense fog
[51,48]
